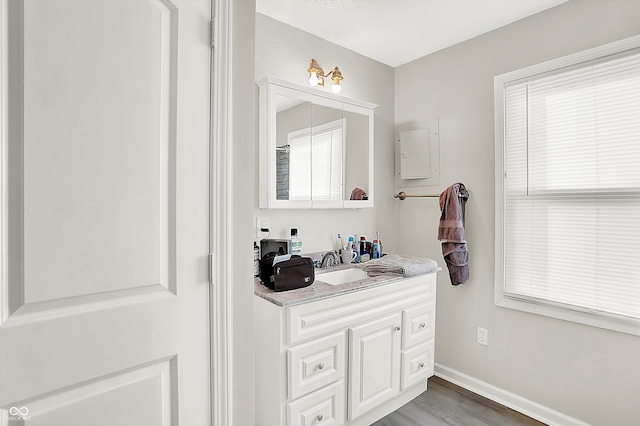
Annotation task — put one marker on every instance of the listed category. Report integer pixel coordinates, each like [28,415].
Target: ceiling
[395,32]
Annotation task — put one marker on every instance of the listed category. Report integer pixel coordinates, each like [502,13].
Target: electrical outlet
[483,336]
[261,223]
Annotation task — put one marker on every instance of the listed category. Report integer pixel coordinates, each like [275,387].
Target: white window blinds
[572,188]
[316,162]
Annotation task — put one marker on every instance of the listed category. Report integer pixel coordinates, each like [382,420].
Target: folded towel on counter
[451,233]
[408,266]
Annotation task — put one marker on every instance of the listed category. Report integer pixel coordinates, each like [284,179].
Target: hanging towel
[358,194]
[451,233]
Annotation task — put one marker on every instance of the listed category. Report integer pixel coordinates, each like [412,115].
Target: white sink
[342,276]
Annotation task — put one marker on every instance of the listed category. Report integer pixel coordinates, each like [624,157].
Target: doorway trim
[221,215]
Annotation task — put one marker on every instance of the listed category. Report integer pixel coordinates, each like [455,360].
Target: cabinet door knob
[421,365]
[422,325]
[319,417]
[398,328]
[321,366]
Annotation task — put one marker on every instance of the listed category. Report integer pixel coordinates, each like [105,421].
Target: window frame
[550,309]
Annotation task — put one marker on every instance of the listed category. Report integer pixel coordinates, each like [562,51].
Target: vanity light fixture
[317,76]
[337,76]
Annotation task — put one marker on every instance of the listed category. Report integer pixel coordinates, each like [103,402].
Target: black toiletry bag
[297,272]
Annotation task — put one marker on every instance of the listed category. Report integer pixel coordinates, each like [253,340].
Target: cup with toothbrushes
[347,255]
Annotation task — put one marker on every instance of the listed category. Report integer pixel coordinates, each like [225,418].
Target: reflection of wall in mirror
[357,141]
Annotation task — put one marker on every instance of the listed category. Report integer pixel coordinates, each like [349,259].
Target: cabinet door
[374,374]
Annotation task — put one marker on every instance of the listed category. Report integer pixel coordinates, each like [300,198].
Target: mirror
[316,148]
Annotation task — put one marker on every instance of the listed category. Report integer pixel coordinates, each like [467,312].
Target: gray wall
[285,52]
[587,373]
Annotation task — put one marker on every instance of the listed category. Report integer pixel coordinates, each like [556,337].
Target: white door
[105,212]
[374,373]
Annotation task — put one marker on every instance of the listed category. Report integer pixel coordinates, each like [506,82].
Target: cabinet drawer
[314,319]
[417,365]
[321,408]
[315,364]
[418,324]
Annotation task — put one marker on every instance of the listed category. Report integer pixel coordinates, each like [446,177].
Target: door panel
[98,129]
[142,396]
[105,289]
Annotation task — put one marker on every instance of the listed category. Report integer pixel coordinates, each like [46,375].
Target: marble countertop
[320,289]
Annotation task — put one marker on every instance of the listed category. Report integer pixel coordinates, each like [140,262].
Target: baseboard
[506,398]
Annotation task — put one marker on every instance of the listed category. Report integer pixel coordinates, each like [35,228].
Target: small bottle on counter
[375,252]
[296,243]
[365,250]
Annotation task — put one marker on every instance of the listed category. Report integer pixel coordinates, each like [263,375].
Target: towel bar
[402,195]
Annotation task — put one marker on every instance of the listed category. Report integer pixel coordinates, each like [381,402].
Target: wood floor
[445,404]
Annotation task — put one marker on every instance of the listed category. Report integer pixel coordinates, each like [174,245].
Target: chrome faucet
[329,259]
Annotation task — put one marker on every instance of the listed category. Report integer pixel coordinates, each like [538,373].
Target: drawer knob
[421,365]
[319,417]
[398,328]
[422,325]
[321,366]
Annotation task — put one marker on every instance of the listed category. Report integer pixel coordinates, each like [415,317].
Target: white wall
[284,52]
[584,372]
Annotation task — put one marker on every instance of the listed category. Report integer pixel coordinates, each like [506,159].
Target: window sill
[586,318]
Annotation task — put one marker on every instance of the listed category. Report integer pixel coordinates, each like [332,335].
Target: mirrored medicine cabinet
[315,148]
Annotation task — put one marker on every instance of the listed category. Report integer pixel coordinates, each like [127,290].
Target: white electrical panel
[417,155]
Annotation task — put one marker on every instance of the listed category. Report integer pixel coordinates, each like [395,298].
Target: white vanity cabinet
[349,359]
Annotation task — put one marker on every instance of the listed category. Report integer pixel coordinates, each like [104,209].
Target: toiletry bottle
[365,247]
[256,260]
[350,244]
[375,252]
[356,248]
[296,243]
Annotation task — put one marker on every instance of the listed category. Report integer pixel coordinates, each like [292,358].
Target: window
[315,165]
[568,188]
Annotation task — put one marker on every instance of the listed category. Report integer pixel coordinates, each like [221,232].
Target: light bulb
[336,88]
[313,79]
